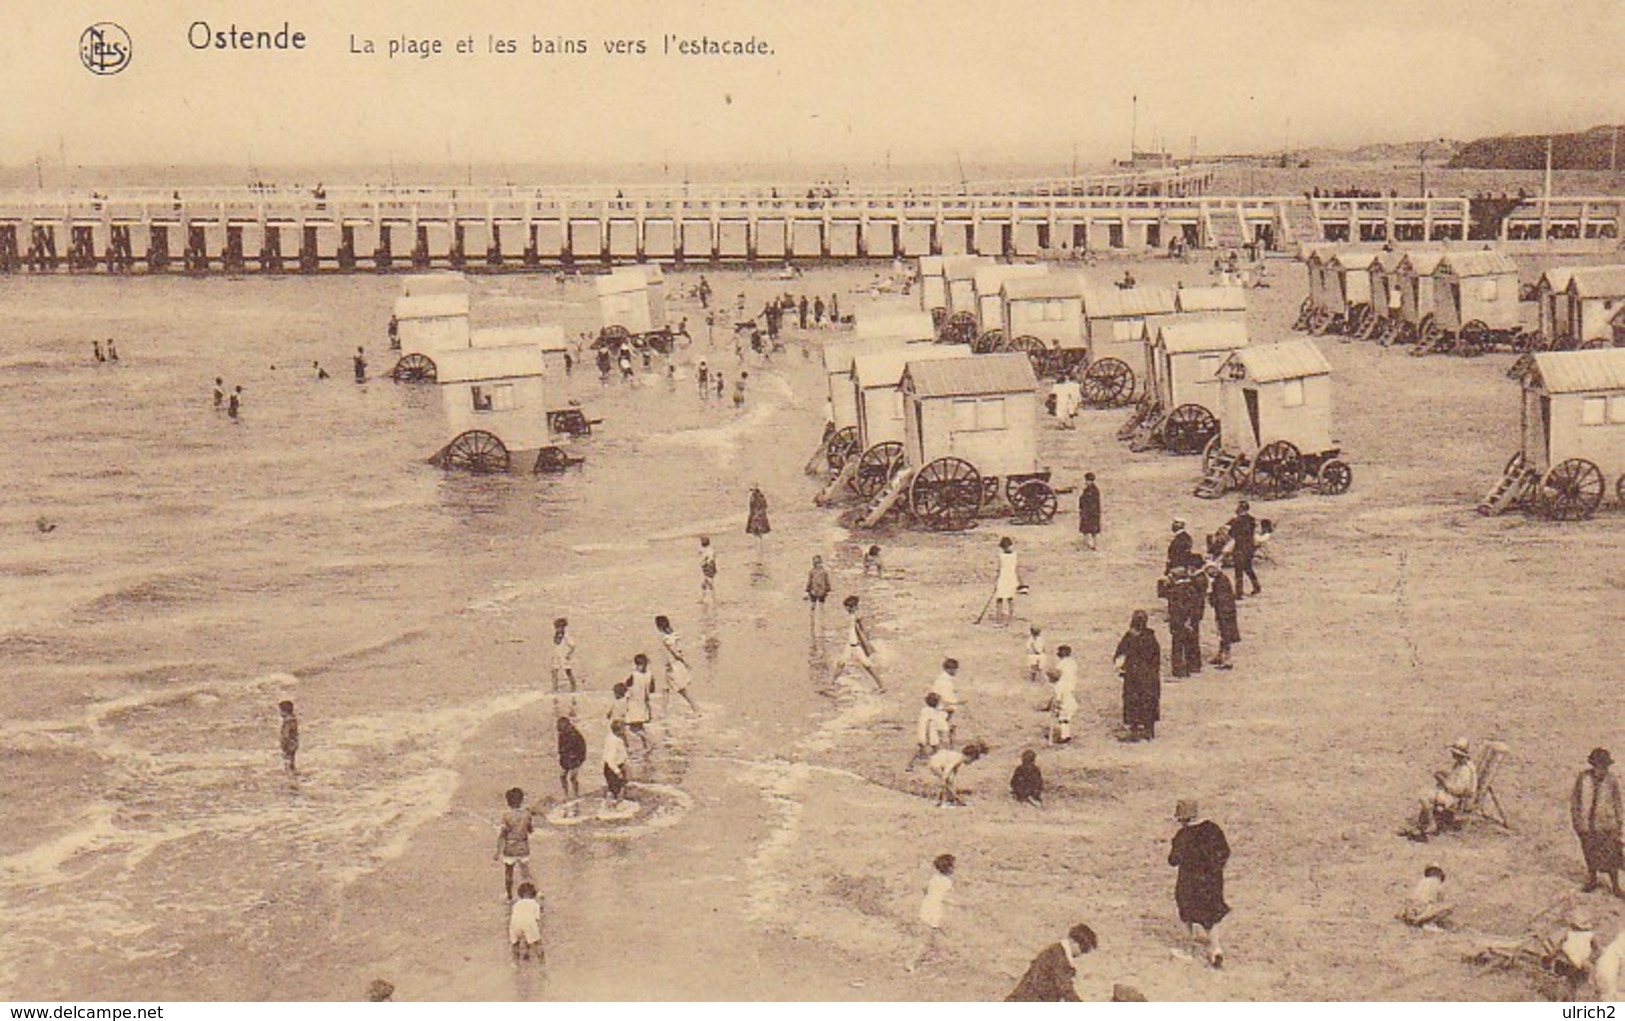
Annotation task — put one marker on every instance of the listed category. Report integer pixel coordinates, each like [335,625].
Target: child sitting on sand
[1027,782]
[525,925]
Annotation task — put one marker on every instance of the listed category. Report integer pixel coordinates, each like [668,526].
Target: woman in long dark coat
[1199,852]
[1089,509]
[1139,662]
[756,524]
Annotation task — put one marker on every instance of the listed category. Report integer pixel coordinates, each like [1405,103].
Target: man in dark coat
[1243,530]
[1050,977]
[1139,663]
[1221,595]
[1199,852]
[1089,510]
[1179,547]
[1184,619]
[801,312]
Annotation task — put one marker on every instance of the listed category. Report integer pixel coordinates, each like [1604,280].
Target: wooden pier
[349,229]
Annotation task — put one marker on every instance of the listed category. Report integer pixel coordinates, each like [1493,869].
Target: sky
[846,82]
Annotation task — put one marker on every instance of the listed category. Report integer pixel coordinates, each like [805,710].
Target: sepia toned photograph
[710,500]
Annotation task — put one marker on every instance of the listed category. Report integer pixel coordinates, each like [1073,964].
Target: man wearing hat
[1184,609]
[1200,852]
[1449,788]
[1179,547]
[1243,529]
[1594,808]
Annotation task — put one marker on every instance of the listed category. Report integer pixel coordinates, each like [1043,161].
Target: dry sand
[790,861]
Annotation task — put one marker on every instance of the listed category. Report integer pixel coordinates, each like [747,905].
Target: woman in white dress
[1008,583]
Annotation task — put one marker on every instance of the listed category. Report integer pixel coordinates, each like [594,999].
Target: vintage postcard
[709,500]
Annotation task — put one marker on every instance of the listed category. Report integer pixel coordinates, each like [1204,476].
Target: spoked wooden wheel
[1429,331]
[1572,491]
[1303,315]
[1034,503]
[414,368]
[476,451]
[1144,408]
[1277,471]
[1037,352]
[614,336]
[1619,489]
[1189,429]
[842,447]
[946,494]
[959,329]
[1473,338]
[1320,321]
[1108,383]
[1210,453]
[876,468]
[551,460]
[1334,477]
[1405,333]
[988,343]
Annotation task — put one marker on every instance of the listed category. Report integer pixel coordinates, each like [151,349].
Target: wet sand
[789,862]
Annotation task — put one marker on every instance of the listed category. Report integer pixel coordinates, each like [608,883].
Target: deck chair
[1483,803]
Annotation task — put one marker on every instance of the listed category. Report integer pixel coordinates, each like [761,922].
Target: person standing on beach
[817,591]
[704,376]
[930,730]
[818,311]
[1243,530]
[219,393]
[708,572]
[756,521]
[96,346]
[1200,852]
[1035,653]
[615,763]
[360,360]
[525,925]
[112,350]
[834,309]
[677,672]
[564,654]
[1139,662]
[739,391]
[1053,974]
[1089,510]
[859,653]
[801,312]
[289,737]
[513,840]
[932,909]
[572,753]
[1006,584]
[234,403]
[1064,697]
[640,686]
[1596,812]
[1221,595]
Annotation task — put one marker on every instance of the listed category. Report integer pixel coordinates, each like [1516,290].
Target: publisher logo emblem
[104,48]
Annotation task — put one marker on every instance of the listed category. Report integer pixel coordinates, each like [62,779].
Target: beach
[200,570]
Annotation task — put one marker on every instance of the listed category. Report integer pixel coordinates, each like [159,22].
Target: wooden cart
[495,403]
[1572,435]
[427,326]
[970,444]
[1275,425]
[1182,357]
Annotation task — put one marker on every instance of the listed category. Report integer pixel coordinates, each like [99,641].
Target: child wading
[817,592]
[564,654]
[572,753]
[640,686]
[615,762]
[513,840]
[708,572]
[525,925]
[677,672]
[858,652]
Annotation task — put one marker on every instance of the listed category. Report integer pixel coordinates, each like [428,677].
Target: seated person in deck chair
[1450,788]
